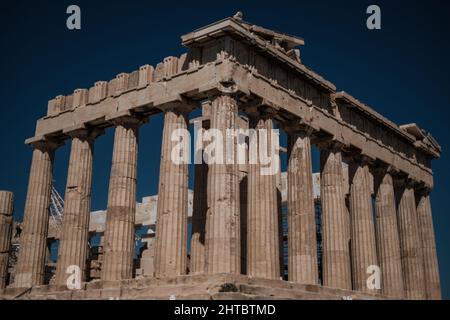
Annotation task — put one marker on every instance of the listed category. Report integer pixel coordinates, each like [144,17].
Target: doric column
[279,180]
[200,204]
[388,242]
[363,243]
[426,230]
[73,247]
[199,219]
[263,254]
[120,216]
[6,210]
[31,261]
[171,227]
[222,218]
[335,220]
[243,125]
[302,243]
[410,242]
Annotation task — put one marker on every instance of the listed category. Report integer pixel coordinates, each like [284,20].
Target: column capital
[84,133]
[403,180]
[223,88]
[126,118]
[330,144]
[258,107]
[423,190]
[360,159]
[382,168]
[298,126]
[46,144]
[356,162]
[259,114]
[379,171]
[130,121]
[180,106]
[227,86]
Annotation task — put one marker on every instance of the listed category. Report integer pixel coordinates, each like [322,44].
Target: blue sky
[401,71]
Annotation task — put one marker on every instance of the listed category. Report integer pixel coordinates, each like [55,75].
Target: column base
[199,287]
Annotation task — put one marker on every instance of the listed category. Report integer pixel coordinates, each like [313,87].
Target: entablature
[144,92]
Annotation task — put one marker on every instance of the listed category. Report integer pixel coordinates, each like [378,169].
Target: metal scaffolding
[56,209]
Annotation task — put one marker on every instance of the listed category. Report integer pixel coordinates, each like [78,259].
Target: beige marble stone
[200,205]
[120,218]
[31,260]
[410,244]
[171,228]
[222,218]
[6,222]
[426,230]
[263,255]
[243,64]
[335,221]
[73,247]
[388,241]
[302,242]
[363,243]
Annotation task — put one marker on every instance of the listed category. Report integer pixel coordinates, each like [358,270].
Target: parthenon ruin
[375,210]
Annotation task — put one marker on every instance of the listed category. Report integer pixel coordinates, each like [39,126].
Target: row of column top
[180,81]
[350,155]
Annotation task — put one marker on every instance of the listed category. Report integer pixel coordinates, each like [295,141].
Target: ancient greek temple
[375,210]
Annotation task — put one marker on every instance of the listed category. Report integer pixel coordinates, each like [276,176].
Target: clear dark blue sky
[401,71]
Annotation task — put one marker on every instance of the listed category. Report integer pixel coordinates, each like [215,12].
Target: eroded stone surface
[120,217]
[215,287]
[6,222]
[302,244]
[30,265]
[237,213]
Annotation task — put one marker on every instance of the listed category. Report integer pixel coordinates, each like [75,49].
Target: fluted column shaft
[171,228]
[73,247]
[200,206]
[431,269]
[6,219]
[363,242]
[335,221]
[388,242]
[120,216]
[262,218]
[31,261]
[222,219]
[410,244]
[302,243]
[199,219]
